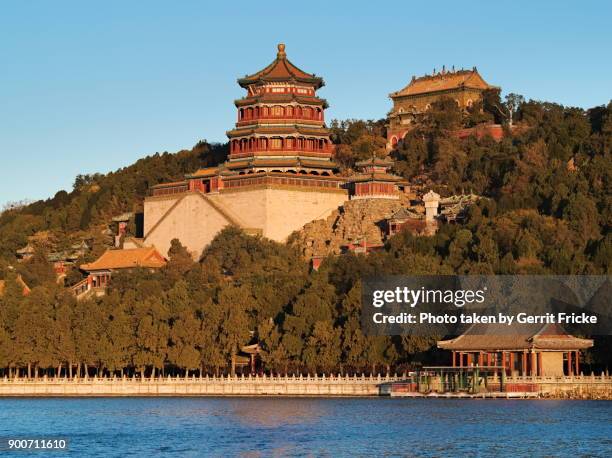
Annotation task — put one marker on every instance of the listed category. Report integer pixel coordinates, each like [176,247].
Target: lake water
[332,427]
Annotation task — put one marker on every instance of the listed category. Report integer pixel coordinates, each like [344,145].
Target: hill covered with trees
[549,210]
[96,198]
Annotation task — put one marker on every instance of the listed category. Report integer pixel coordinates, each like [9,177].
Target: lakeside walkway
[565,387]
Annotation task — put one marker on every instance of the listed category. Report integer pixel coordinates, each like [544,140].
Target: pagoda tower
[280,122]
[278,177]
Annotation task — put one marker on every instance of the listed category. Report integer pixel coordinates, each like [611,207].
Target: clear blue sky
[92,86]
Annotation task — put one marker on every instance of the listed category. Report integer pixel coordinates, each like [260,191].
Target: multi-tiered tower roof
[281,123]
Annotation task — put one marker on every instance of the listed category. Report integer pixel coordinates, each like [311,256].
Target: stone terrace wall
[577,387]
[195,386]
[570,387]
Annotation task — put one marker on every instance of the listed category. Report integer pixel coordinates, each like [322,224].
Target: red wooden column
[460,359]
[570,369]
[511,362]
[480,358]
[453,356]
[577,361]
[503,360]
[524,363]
[539,373]
[532,369]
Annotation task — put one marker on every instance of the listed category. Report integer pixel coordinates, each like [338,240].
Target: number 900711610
[33,444]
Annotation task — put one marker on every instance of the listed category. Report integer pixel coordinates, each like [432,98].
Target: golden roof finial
[281,51]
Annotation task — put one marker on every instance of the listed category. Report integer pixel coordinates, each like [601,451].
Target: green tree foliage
[546,209]
[357,140]
[37,270]
[95,198]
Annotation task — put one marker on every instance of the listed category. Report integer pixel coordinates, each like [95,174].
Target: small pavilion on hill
[375,181]
[406,219]
[101,269]
[533,350]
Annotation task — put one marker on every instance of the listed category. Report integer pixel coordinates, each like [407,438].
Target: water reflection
[253,427]
[272,412]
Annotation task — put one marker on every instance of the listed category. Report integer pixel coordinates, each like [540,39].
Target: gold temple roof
[444,81]
[125,259]
[377,177]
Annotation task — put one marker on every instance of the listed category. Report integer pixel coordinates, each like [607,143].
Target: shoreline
[277,396]
[557,388]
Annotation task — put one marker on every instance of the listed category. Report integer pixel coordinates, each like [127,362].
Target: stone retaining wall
[572,387]
[194,386]
[576,387]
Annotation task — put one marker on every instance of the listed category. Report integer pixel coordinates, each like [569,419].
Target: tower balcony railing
[168,190]
[248,120]
[321,152]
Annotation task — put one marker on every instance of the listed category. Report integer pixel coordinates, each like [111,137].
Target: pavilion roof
[493,337]
[127,259]
[404,214]
[323,164]
[206,172]
[281,70]
[281,98]
[64,255]
[251,349]
[262,162]
[28,249]
[443,81]
[123,217]
[375,176]
[375,161]
[169,184]
[280,130]
[281,162]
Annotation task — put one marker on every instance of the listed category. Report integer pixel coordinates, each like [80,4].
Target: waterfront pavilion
[527,350]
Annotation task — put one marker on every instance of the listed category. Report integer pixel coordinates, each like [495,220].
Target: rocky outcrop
[356,220]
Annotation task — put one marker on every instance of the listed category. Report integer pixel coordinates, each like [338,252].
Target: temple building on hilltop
[533,350]
[279,175]
[463,86]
